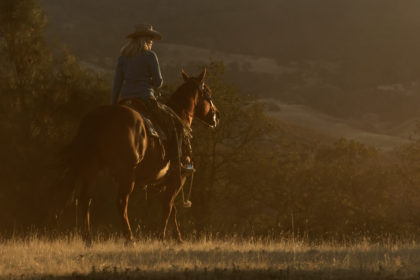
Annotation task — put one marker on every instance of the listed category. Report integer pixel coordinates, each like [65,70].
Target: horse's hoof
[179,241]
[162,238]
[164,241]
[130,243]
[88,243]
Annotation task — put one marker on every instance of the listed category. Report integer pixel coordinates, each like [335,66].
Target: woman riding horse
[137,76]
[115,138]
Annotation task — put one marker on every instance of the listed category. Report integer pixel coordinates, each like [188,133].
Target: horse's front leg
[177,232]
[168,209]
[167,206]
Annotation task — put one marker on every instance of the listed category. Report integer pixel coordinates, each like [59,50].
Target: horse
[115,138]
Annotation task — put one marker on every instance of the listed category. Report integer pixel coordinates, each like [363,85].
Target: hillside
[346,60]
[309,121]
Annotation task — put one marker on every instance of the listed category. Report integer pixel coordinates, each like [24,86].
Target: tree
[43,95]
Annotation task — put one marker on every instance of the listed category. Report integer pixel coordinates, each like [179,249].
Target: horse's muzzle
[216,118]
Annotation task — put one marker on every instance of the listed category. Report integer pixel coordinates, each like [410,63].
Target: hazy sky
[330,28]
[366,36]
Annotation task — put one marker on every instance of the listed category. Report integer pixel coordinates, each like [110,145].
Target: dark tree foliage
[43,94]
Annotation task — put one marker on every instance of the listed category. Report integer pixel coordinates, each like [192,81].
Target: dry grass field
[68,258]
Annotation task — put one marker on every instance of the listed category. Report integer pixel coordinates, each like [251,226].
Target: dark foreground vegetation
[256,176]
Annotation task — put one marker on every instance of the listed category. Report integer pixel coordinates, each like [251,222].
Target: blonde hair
[136,45]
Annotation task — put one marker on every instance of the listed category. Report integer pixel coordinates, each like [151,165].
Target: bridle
[205,94]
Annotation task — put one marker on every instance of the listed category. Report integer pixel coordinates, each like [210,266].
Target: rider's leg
[173,150]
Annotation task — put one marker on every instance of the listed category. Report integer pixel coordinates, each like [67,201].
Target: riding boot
[186,167]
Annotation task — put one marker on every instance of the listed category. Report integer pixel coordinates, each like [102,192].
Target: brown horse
[114,137]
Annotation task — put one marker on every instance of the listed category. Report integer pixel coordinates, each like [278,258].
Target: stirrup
[188,169]
[187,204]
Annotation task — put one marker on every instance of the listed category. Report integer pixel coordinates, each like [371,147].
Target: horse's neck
[182,103]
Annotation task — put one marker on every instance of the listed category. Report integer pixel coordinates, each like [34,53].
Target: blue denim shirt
[136,76]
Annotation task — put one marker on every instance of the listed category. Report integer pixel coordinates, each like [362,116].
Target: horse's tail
[73,159]
[67,183]
[65,186]
[106,137]
[64,192]
[61,192]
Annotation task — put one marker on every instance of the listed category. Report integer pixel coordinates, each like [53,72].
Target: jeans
[165,120]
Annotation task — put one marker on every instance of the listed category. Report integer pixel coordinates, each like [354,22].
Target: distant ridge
[332,127]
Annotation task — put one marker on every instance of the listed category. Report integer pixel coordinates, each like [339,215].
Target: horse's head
[203,107]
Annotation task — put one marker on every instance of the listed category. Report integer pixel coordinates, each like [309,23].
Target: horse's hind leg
[126,186]
[85,202]
[168,209]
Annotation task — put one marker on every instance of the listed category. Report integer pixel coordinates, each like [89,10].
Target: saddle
[155,130]
[152,129]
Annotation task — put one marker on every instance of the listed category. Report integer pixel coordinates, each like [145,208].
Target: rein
[184,125]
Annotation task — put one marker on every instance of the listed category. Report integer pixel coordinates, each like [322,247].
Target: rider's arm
[157,79]
[118,80]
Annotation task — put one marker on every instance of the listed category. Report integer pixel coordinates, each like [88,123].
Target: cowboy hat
[145,30]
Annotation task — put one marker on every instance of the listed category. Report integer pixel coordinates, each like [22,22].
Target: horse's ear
[184,75]
[202,75]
